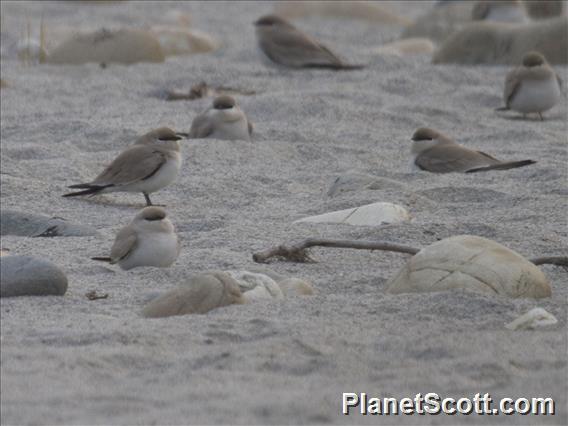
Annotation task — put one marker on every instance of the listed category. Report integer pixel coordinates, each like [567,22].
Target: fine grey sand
[69,360]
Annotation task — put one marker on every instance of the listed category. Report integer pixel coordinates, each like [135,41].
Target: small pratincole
[149,165]
[434,152]
[534,87]
[149,240]
[286,45]
[223,120]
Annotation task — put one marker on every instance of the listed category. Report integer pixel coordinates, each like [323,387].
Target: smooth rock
[30,276]
[180,41]
[500,43]
[440,21]
[255,286]
[533,319]
[375,214]
[124,46]
[296,287]
[471,263]
[354,181]
[34,225]
[200,294]
[365,10]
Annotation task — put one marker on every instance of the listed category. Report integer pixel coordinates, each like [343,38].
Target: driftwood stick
[297,252]
[551,260]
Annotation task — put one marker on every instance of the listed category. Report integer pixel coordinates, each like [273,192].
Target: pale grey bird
[286,45]
[434,152]
[145,167]
[534,87]
[223,120]
[149,240]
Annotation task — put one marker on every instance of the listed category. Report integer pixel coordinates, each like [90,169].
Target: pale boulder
[182,41]
[123,46]
[365,10]
[375,214]
[200,294]
[255,286]
[296,287]
[532,320]
[470,263]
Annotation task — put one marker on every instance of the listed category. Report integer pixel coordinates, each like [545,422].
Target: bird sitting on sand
[435,152]
[286,45]
[534,87]
[149,165]
[149,240]
[223,120]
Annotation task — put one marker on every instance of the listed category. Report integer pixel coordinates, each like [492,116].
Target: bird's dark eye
[152,218]
[223,106]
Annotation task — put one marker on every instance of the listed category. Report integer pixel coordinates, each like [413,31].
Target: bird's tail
[337,66]
[102,259]
[89,189]
[503,166]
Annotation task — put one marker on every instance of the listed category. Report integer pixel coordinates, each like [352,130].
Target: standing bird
[286,45]
[149,165]
[223,120]
[435,152]
[149,240]
[534,87]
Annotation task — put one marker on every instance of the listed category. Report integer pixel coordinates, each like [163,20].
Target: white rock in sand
[533,319]
[255,286]
[123,46]
[407,46]
[296,287]
[471,263]
[181,41]
[375,214]
[200,294]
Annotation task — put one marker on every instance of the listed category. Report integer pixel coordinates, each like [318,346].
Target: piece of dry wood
[551,260]
[297,252]
[93,295]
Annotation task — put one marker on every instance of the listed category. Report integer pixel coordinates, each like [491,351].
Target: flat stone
[35,225]
[123,46]
[30,276]
[354,181]
[198,295]
[256,286]
[375,214]
[534,319]
[471,263]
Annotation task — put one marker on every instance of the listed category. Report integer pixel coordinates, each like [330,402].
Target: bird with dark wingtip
[435,152]
[223,120]
[286,45]
[149,165]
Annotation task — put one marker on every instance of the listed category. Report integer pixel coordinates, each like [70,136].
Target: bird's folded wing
[302,49]
[449,159]
[125,242]
[201,127]
[512,85]
[135,164]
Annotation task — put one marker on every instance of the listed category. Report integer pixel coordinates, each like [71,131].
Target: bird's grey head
[271,21]
[152,213]
[224,102]
[166,134]
[533,59]
[424,134]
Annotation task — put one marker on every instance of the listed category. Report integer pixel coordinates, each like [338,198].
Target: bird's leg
[540,115]
[148,201]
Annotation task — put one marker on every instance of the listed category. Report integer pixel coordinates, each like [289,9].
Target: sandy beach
[68,360]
